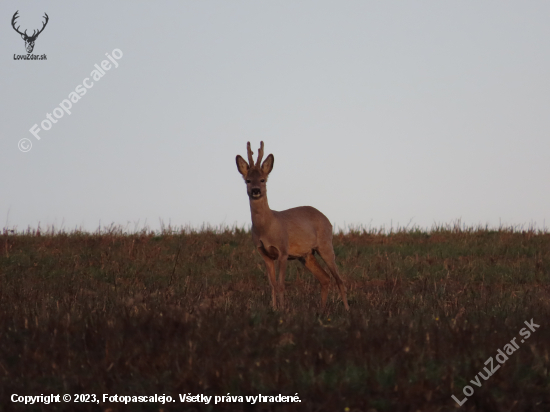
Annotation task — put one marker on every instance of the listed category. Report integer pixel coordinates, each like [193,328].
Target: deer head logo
[29,40]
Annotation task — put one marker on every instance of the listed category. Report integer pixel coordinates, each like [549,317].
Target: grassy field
[189,313]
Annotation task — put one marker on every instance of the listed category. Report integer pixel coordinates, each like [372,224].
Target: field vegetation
[188,312]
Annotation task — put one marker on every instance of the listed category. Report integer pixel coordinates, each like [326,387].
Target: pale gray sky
[376,112]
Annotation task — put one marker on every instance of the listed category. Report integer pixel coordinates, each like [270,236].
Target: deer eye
[263,180]
[247,181]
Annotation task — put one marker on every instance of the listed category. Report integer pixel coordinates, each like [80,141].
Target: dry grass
[190,312]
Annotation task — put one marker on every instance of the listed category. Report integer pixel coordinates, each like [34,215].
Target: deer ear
[267,165]
[23,36]
[242,166]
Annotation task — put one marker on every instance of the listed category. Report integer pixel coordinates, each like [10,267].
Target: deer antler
[250,153]
[34,33]
[260,154]
[43,26]
[15,16]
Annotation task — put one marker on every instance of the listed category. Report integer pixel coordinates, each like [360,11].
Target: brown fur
[290,234]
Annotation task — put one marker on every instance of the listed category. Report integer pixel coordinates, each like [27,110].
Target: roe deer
[290,234]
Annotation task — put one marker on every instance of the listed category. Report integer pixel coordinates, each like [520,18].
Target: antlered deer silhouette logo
[29,40]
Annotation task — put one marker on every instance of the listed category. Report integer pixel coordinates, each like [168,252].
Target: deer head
[29,40]
[255,175]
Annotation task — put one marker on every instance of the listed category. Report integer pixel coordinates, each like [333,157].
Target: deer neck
[262,215]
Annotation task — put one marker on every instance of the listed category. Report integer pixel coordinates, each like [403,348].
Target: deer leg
[327,254]
[314,267]
[270,267]
[283,259]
